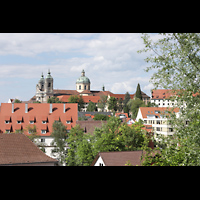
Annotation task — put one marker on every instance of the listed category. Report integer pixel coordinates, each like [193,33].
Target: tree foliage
[112,104]
[77,99]
[54,99]
[102,102]
[175,58]
[134,105]
[112,136]
[59,135]
[138,93]
[91,107]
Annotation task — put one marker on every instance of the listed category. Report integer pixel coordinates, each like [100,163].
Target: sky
[107,58]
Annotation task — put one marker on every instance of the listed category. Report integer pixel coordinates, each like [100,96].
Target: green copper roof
[83,78]
[49,74]
[42,78]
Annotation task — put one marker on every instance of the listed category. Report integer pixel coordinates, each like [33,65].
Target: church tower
[48,85]
[82,83]
[44,88]
[40,89]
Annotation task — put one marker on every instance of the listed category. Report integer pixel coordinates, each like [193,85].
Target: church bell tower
[44,88]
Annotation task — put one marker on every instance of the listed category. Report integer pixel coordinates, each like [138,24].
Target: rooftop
[19,149]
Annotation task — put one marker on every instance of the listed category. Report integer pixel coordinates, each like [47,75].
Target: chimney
[26,108]
[12,107]
[50,108]
[64,108]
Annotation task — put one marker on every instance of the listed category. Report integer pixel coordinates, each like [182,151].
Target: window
[100,164]
[42,140]
[79,87]
[43,131]
[19,121]
[44,122]
[68,122]
[49,85]
[7,122]
[85,87]
[31,122]
[158,129]
[7,131]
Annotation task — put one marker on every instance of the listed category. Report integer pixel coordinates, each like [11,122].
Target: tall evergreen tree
[138,93]
[126,100]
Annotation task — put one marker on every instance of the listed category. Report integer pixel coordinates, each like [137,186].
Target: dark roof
[19,149]
[89,126]
[119,158]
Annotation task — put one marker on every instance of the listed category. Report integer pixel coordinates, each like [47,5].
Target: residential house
[156,116]
[19,150]
[161,97]
[118,158]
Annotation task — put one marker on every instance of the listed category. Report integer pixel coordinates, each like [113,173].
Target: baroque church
[44,91]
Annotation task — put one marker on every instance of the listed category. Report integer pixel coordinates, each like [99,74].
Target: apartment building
[156,116]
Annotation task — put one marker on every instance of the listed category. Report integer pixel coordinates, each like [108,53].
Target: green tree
[91,107]
[175,60]
[54,99]
[112,104]
[32,130]
[59,135]
[134,105]
[102,102]
[112,136]
[120,105]
[77,99]
[101,117]
[138,93]
[126,100]
[73,140]
[17,101]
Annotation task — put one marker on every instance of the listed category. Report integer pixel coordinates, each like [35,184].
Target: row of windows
[85,87]
[32,122]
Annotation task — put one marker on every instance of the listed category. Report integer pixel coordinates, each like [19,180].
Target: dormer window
[44,122]
[31,122]
[7,122]
[43,131]
[19,121]
[68,122]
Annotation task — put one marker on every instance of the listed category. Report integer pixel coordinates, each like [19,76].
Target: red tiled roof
[155,111]
[39,113]
[86,92]
[19,149]
[161,94]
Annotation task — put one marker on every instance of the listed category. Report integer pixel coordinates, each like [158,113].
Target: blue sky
[108,58]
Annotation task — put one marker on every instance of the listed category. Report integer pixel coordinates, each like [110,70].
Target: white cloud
[109,59]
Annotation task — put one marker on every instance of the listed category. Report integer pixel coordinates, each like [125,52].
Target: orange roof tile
[39,112]
[155,111]
[161,94]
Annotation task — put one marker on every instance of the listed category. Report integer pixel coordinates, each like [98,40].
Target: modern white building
[156,117]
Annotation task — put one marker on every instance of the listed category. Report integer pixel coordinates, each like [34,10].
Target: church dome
[83,78]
